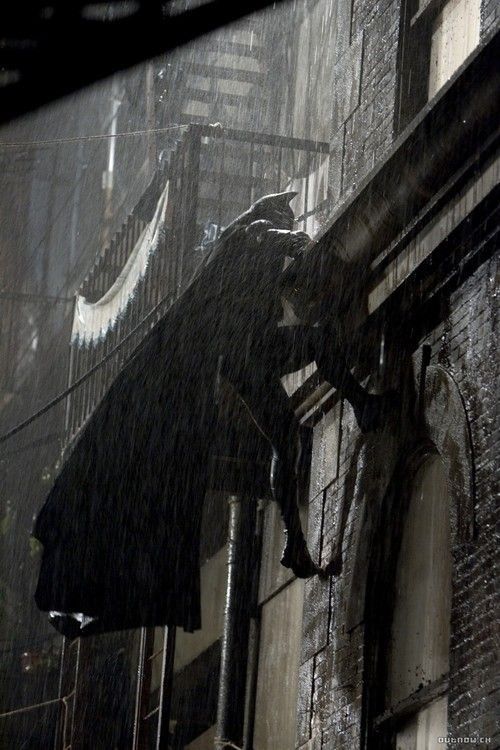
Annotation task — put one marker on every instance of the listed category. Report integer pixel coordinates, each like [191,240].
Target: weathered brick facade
[461,332]
[332,669]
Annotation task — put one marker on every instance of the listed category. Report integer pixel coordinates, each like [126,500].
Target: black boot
[296,556]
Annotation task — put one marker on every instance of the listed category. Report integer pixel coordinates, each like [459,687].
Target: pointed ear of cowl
[273,202]
[277,200]
[287,196]
[262,209]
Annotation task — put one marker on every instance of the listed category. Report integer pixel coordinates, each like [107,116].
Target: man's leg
[297,346]
[267,402]
[332,359]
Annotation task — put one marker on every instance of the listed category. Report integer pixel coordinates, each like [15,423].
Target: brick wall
[359,467]
[467,343]
[365,83]
[490,16]
[364,92]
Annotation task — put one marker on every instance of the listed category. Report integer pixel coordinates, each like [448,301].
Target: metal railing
[214,175]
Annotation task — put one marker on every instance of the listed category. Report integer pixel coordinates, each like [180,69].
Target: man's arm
[288,243]
[263,395]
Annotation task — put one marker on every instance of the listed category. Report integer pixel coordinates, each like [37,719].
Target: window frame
[381,724]
[414,60]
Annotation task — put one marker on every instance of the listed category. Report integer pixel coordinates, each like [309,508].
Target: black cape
[120,528]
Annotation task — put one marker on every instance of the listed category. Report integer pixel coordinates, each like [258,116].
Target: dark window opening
[410,630]
[436,37]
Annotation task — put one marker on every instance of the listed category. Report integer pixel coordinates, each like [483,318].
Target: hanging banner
[92,320]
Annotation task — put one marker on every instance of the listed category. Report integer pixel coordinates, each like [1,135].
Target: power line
[32,707]
[5,146]
[61,212]
[64,394]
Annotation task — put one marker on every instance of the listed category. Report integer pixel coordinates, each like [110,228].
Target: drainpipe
[254,635]
[237,612]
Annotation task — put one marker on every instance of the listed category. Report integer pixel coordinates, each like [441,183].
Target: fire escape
[210,177]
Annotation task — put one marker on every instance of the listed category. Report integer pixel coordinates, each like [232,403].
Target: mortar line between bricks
[311,698]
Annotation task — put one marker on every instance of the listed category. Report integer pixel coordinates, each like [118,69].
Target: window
[436,38]
[197,663]
[278,670]
[455,33]
[179,672]
[415,651]
[281,598]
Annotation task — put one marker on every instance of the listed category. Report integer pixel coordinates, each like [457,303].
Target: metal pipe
[237,611]
[167,673]
[254,635]
[142,687]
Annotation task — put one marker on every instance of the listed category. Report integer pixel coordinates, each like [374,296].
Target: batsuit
[120,528]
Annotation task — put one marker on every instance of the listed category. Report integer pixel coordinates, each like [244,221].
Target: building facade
[397,651]
[387,126]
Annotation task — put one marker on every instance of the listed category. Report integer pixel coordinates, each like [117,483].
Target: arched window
[415,652]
